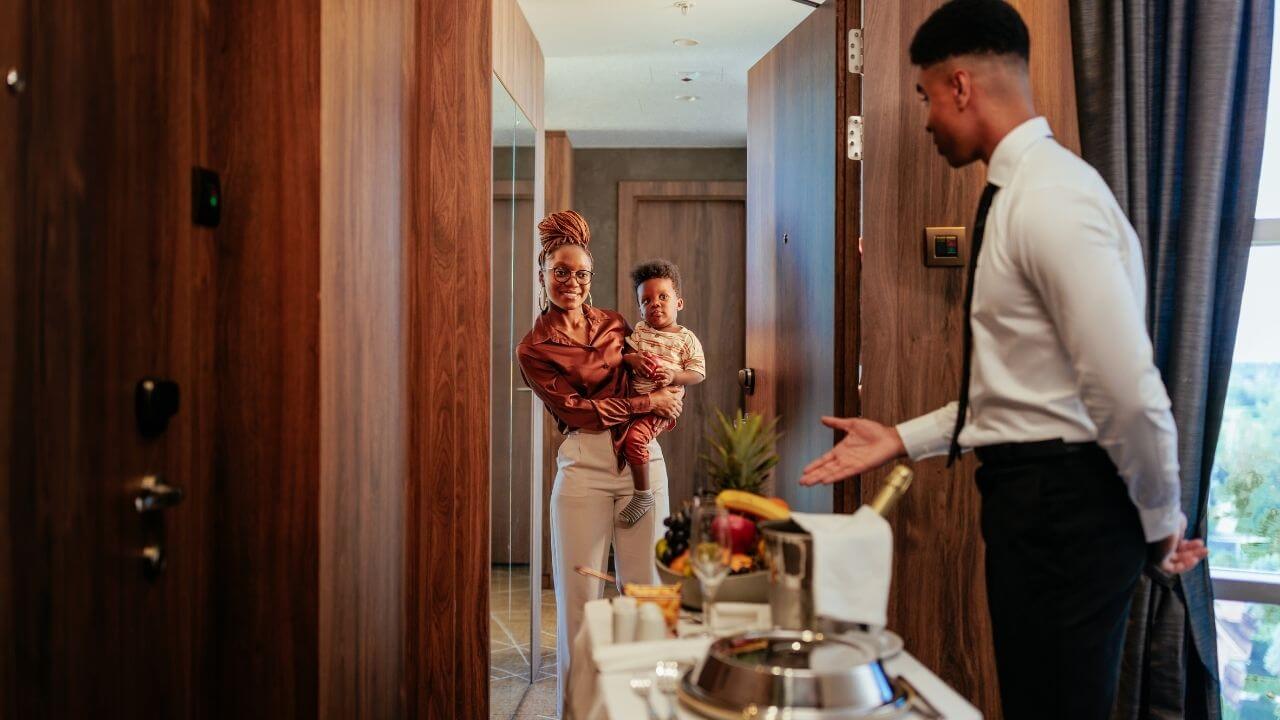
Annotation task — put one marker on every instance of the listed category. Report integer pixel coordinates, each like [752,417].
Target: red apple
[740,531]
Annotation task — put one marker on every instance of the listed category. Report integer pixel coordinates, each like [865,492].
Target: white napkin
[852,565]
[644,655]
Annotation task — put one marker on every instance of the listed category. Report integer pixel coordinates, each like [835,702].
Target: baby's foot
[641,503]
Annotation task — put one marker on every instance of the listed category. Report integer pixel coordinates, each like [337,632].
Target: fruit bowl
[752,587]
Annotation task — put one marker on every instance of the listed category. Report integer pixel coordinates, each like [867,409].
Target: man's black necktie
[975,247]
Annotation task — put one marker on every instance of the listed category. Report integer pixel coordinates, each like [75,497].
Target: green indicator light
[213,201]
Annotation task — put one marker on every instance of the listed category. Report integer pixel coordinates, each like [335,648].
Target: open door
[109,355]
[802,213]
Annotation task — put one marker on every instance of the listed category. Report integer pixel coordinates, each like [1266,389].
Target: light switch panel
[944,246]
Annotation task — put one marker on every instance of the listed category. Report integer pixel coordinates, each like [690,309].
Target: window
[1244,494]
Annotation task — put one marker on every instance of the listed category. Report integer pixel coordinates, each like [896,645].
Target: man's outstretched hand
[866,445]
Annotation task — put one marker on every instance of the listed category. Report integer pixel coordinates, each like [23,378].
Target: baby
[667,354]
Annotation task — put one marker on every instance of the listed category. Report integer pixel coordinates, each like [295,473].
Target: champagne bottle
[894,487]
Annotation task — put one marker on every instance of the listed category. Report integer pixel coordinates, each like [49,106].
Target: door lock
[747,379]
[155,494]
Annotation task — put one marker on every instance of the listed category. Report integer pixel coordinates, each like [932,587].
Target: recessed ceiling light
[684,42]
[687,98]
[688,75]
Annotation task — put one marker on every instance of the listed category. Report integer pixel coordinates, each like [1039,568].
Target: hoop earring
[588,300]
[543,303]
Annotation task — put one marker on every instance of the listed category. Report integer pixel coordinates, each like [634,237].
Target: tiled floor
[510,693]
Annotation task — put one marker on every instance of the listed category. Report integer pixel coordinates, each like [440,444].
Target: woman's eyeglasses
[562,275]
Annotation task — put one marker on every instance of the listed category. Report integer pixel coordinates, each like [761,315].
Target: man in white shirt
[1059,395]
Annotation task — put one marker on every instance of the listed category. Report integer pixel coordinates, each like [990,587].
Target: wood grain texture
[110,284]
[912,330]
[848,319]
[264,76]
[446,257]
[701,227]
[517,58]
[792,155]
[559,196]
[363,381]
[13,54]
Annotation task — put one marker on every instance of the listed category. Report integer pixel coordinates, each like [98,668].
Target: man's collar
[1004,161]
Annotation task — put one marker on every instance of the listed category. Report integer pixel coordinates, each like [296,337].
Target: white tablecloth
[597,695]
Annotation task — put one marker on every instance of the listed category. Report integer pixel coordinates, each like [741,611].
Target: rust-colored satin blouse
[586,387]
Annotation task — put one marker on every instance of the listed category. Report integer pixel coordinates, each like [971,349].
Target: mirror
[513,599]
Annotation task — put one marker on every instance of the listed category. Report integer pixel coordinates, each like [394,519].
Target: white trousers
[588,494]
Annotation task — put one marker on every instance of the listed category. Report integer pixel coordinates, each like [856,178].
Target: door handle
[747,379]
[155,494]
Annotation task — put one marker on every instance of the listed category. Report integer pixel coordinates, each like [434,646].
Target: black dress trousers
[1064,548]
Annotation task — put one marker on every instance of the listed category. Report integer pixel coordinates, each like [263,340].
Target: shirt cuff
[923,438]
[640,404]
[1160,523]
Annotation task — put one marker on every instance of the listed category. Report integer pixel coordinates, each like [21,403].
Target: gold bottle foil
[894,487]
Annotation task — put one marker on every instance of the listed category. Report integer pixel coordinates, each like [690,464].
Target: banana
[759,506]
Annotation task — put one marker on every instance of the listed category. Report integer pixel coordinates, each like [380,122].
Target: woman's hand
[666,402]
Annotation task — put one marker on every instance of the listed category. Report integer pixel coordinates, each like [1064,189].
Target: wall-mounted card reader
[943,246]
[206,197]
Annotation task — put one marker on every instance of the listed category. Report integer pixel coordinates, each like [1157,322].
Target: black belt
[1022,452]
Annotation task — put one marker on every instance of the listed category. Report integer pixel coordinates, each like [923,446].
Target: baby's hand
[663,377]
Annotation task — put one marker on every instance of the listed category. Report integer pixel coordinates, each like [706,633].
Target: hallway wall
[596,173]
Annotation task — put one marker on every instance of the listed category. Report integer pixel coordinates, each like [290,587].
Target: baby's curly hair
[654,269]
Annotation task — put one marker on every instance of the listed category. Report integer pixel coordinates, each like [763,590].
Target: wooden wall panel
[559,171]
[517,59]
[447,208]
[912,331]
[363,114]
[264,85]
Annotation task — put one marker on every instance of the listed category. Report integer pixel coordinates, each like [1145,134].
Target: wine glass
[709,550]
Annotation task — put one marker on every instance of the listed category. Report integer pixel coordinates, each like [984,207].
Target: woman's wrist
[641,404]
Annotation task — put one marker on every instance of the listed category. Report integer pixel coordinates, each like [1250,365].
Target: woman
[573,360]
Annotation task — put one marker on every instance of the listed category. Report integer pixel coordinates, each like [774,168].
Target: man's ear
[961,85]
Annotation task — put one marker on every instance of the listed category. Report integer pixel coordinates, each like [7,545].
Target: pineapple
[742,452]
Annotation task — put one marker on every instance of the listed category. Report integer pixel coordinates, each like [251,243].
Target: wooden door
[109,283]
[793,268]
[701,227]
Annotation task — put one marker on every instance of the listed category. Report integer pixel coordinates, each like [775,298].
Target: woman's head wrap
[562,228]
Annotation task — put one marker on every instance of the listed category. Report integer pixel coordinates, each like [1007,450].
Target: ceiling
[613,73]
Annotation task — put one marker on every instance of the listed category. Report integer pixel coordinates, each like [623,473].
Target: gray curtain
[1172,102]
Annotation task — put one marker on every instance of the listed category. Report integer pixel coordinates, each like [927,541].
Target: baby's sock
[641,503]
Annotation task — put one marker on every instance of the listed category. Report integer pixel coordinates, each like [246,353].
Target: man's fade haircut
[970,27]
[653,270]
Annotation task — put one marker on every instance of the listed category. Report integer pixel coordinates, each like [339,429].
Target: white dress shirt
[1060,347]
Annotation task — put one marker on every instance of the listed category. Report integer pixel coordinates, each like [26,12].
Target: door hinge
[855,50]
[854,134]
